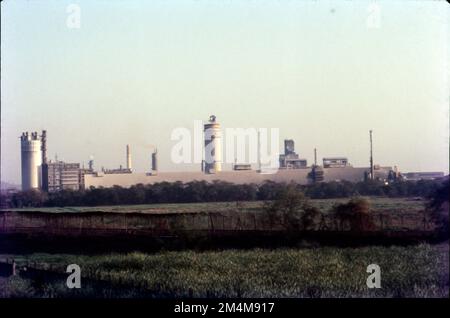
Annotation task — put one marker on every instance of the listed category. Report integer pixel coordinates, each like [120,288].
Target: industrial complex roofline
[38,172]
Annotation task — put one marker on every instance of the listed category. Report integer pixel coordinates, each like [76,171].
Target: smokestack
[315,156]
[44,165]
[259,151]
[371,157]
[155,161]
[44,146]
[128,157]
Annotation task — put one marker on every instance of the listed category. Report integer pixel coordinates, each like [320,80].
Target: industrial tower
[213,146]
[31,160]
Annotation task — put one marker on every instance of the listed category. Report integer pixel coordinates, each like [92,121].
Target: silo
[213,146]
[31,158]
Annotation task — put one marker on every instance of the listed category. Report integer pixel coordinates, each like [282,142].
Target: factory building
[31,160]
[117,171]
[58,175]
[121,169]
[242,166]
[292,168]
[82,172]
[62,176]
[300,176]
[290,159]
[335,162]
[38,173]
[423,175]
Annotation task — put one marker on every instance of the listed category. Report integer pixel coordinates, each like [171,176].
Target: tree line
[202,191]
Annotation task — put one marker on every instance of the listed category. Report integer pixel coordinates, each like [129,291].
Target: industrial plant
[40,173]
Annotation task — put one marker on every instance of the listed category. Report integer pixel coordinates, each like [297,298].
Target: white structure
[31,160]
[128,158]
[300,176]
[213,146]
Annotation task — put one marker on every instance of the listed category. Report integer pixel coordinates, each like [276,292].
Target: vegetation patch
[414,271]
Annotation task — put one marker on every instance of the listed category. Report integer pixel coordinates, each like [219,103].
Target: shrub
[438,207]
[292,209]
[356,213]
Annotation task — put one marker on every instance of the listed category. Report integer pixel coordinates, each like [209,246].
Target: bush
[202,191]
[16,287]
[292,209]
[355,213]
[438,207]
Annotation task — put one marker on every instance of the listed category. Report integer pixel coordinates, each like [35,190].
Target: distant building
[335,162]
[62,176]
[82,173]
[291,160]
[242,166]
[120,170]
[289,147]
[414,176]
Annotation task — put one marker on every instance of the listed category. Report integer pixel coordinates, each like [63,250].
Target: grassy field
[377,203]
[327,271]
[216,219]
[413,271]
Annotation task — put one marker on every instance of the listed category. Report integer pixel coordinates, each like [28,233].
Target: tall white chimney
[213,146]
[128,157]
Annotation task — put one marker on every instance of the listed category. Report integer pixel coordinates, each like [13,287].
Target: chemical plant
[40,173]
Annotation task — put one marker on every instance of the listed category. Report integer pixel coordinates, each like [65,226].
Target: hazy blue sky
[135,70]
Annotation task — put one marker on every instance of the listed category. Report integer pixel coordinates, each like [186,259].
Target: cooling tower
[31,157]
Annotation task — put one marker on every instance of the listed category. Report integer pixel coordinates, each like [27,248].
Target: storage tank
[31,158]
[213,146]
